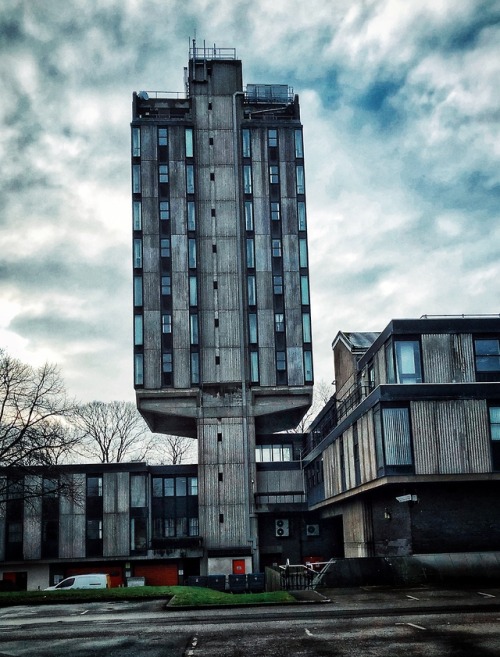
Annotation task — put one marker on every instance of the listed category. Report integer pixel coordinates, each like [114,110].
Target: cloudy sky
[400,104]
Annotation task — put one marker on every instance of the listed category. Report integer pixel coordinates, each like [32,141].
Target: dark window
[403,362]
[355,450]
[166,285]
[164,210]
[245,142]
[276,248]
[274,174]
[279,322]
[165,247]
[278,284]
[272,138]
[163,173]
[162,136]
[393,441]
[280,361]
[495,436]
[487,354]
[275,211]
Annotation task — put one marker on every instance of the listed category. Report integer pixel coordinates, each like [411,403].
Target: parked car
[93,581]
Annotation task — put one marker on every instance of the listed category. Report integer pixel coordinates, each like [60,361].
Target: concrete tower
[222,341]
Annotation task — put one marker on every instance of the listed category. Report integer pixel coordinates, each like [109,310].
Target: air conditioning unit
[282,527]
[312,530]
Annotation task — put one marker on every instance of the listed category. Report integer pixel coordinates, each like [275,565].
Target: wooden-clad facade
[416,415]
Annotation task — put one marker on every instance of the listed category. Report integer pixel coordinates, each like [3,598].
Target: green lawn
[179,596]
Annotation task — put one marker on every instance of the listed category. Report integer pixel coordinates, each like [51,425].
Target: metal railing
[300,577]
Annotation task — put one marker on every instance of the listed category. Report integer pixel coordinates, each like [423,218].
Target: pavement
[419,599]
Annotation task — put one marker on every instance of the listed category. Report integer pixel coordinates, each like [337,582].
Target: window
[162,136]
[192,485]
[487,354]
[166,362]
[189,142]
[403,363]
[247,179]
[301,211]
[304,290]
[164,210]
[192,253]
[136,178]
[278,284]
[393,440]
[138,369]
[252,295]
[138,534]
[163,173]
[137,215]
[166,323]
[194,527]
[138,330]
[280,361]
[189,179]
[193,291]
[193,329]
[195,368]
[250,253]
[136,142]
[191,215]
[275,211]
[248,215]
[137,253]
[272,138]
[494,412]
[276,248]
[273,453]
[274,174]
[138,491]
[308,367]
[165,247]
[94,530]
[299,147]
[15,532]
[301,186]
[254,367]
[302,253]
[137,291]
[94,486]
[252,328]
[306,327]
[355,454]
[166,285]
[279,322]
[245,143]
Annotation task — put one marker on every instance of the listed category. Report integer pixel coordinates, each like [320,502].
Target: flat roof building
[222,322]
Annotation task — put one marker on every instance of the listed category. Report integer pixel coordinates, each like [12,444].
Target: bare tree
[34,409]
[321,395]
[174,450]
[112,432]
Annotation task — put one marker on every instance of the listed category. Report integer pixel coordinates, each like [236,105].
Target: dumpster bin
[216,582]
[238,583]
[197,580]
[256,582]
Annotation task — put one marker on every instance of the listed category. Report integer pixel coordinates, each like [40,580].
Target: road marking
[417,627]
[486,595]
[308,633]
[412,597]
[84,612]
[190,651]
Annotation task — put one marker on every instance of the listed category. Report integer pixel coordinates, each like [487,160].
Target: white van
[94,581]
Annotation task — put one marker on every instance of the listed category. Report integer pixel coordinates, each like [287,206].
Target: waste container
[256,582]
[238,583]
[197,580]
[216,582]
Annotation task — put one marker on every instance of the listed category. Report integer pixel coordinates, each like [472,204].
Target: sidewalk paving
[425,598]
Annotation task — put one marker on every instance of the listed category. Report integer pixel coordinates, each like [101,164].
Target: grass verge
[179,596]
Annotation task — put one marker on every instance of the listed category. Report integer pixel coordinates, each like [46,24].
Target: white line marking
[418,627]
[412,597]
[308,633]
[84,612]
[486,595]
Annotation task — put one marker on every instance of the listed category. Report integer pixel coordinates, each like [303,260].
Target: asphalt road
[360,622]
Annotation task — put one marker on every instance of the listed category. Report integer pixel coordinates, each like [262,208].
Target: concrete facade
[222,343]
